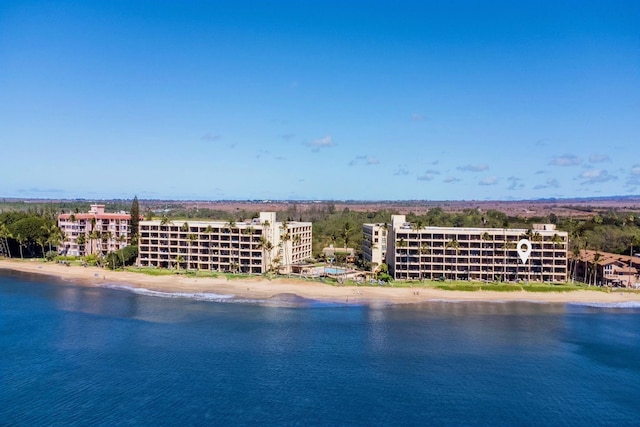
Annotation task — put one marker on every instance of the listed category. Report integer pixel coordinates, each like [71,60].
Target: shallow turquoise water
[95,356]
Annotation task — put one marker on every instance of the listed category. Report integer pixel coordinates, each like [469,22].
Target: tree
[81,241]
[30,229]
[401,243]
[454,245]
[266,246]
[285,237]
[506,247]
[21,240]
[418,225]
[230,226]
[135,220]
[596,259]
[5,234]
[486,237]
[537,237]
[190,239]
[179,260]
[121,239]
[346,233]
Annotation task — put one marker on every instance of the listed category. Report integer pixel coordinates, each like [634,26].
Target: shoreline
[260,288]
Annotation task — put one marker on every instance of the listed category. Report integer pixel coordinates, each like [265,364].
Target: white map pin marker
[524,250]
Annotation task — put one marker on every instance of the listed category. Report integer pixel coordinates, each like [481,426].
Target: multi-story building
[374,243]
[254,246]
[94,232]
[604,268]
[485,254]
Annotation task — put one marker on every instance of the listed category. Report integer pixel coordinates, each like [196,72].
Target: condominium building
[254,246]
[374,243]
[94,232]
[475,253]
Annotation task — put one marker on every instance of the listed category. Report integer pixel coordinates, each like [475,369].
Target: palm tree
[295,241]
[42,240]
[121,239]
[248,232]
[346,231]
[425,249]
[507,246]
[190,239]
[5,235]
[454,245]
[165,221]
[485,238]
[179,260]
[536,237]
[81,241]
[21,241]
[266,246]
[596,259]
[285,237]
[417,226]
[402,244]
[230,226]
[209,231]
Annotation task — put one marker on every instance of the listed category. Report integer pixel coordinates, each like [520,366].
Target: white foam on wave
[199,296]
[625,304]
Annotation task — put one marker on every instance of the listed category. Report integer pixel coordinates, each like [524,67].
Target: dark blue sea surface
[72,355]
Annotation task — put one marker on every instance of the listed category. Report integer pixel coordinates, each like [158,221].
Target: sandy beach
[261,288]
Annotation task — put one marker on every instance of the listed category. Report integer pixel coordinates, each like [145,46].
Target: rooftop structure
[94,232]
[255,246]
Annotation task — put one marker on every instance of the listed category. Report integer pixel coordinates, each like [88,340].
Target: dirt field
[574,208]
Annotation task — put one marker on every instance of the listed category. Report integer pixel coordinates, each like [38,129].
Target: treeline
[606,231]
[29,234]
[32,228]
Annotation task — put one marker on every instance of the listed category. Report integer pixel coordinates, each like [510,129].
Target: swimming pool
[333,270]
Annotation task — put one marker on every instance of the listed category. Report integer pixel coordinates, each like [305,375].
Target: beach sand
[260,288]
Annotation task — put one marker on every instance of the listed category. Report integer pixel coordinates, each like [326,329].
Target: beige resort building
[254,246]
[484,254]
[374,243]
[94,232]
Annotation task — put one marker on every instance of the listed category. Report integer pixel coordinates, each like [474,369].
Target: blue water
[73,355]
[333,270]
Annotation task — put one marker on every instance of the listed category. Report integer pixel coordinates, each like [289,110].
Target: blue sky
[369,100]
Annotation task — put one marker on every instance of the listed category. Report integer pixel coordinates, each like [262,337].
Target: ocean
[73,355]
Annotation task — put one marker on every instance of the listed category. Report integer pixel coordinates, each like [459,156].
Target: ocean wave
[199,296]
[625,304]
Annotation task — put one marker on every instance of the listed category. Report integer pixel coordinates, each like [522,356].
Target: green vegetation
[29,230]
[135,220]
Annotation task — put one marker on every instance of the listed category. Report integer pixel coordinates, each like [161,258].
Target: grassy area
[556,288]
[459,287]
[171,272]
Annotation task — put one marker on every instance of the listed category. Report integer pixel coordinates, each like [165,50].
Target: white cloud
[428,175]
[324,142]
[401,171]
[515,183]
[595,176]
[550,183]
[492,180]
[598,158]
[372,160]
[473,168]
[566,160]
[209,137]
[634,177]
[366,160]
